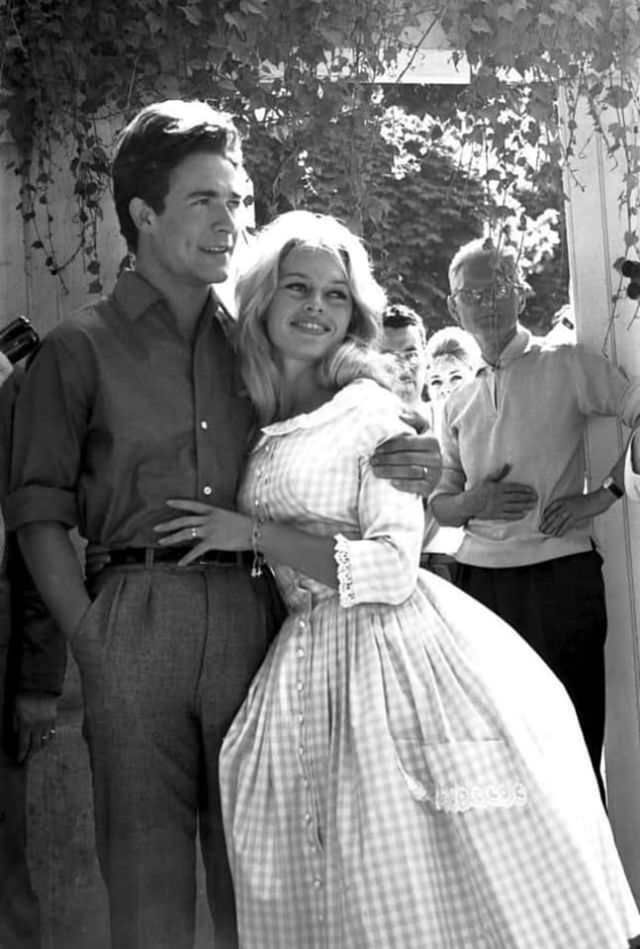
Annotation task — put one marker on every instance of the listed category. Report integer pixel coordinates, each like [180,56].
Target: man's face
[406,344]
[486,301]
[192,238]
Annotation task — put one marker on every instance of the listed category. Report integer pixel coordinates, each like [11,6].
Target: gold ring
[194,533]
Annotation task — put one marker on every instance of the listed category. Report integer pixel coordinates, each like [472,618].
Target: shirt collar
[135,297]
[519,345]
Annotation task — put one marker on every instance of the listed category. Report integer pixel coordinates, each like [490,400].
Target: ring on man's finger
[194,533]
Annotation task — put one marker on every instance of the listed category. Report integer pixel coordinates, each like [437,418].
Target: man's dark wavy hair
[155,142]
[398,315]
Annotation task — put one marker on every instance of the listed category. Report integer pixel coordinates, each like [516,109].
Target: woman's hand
[34,721]
[213,528]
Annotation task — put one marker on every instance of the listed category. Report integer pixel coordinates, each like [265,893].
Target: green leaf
[480,25]
[193,13]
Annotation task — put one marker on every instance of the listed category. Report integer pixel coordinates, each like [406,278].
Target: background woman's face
[444,375]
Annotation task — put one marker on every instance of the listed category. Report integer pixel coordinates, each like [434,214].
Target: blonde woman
[385,784]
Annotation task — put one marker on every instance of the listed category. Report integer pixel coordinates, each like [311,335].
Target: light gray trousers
[166,656]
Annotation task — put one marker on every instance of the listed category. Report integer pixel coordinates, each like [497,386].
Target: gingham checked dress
[405,773]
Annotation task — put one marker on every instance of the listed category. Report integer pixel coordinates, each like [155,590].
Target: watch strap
[609,485]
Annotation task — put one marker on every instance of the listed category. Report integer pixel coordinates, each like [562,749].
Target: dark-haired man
[134,401]
[404,336]
[32,666]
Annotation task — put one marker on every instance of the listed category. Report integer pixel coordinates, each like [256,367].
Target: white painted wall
[26,285]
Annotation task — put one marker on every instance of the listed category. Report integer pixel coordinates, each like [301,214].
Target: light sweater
[529,411]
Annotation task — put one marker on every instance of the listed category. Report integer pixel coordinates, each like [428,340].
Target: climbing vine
[527,57]
[301,76]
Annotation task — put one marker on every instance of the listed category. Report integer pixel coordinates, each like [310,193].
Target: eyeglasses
[497,291]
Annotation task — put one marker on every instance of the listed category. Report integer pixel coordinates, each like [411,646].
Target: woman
[385,784]
[452,358]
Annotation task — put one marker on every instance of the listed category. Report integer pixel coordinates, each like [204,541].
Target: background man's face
[486,301]
[406,344]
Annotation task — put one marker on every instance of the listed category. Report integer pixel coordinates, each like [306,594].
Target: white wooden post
[595,228]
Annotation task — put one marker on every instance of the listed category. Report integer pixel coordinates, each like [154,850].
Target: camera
[18,339]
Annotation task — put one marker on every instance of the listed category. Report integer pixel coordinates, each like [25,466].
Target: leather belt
[148,556]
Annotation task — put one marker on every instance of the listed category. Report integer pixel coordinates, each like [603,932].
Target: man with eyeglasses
[514,476]
[404,337]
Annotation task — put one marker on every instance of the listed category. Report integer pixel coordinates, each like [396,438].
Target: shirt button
[301,749]
[300,686]
[204,425]
[317,883]
[300,652]
[207,490]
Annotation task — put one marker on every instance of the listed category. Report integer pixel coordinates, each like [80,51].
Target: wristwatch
[609,485]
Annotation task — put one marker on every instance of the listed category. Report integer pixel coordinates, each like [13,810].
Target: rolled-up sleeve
[382,565]
[48,437]
[604,389]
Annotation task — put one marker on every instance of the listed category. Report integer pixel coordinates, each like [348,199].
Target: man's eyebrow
[213,193]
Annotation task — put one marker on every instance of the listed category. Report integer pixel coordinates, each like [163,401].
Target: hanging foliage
[298,75]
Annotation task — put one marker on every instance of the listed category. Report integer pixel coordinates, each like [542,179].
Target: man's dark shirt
[120,412]
[32,648]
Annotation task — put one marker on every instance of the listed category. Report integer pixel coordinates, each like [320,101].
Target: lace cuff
[345,577]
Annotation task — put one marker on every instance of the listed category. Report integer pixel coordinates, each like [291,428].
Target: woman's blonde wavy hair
[355,358]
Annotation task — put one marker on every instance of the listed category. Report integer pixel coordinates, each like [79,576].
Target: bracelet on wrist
[256,547]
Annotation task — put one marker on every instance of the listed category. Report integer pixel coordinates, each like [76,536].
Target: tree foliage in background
[300,75]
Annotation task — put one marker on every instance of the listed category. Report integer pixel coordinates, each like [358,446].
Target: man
[404,337]
[514,475]
[132,402]
[32,665]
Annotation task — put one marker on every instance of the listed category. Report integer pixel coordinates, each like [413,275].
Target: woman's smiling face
[311,310]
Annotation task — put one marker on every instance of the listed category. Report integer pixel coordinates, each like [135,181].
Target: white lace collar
[353,395]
